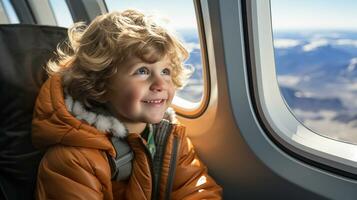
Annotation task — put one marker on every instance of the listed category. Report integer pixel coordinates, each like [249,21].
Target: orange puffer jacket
[75,165]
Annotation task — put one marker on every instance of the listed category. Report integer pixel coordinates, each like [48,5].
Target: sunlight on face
[141,92]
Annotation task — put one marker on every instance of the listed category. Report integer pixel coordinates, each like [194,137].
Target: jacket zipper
[159,157]
[155,183]
[148,154]
[172,168]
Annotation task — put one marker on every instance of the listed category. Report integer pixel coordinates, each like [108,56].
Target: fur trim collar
[102,120]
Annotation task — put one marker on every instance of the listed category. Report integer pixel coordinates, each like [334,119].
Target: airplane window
[62,13]
[10,12]
[315,47]
[179,16]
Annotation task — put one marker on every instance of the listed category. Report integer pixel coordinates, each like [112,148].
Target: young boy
[116,80]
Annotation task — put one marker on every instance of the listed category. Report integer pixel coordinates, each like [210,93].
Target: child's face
[141,92]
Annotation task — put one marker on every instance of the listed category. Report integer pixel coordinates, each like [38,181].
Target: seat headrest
[24,51]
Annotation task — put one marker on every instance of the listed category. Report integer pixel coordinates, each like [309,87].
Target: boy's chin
[154,120]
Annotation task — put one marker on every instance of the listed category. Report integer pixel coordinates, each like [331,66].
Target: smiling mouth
[154,101]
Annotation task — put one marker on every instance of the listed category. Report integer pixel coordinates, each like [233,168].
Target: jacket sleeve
[66,173]
[191,179]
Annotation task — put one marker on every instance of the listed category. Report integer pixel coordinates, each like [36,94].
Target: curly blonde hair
[92,53]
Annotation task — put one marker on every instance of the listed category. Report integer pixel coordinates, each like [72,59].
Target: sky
[286,14]
[179,13]
[175,13]
[314,14]
[62,13]
[10,11]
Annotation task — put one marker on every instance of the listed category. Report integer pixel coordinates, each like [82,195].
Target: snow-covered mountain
[317,74]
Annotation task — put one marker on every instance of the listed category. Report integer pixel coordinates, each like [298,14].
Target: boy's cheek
[173,92]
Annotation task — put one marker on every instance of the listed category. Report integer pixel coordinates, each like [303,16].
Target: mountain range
[317,76]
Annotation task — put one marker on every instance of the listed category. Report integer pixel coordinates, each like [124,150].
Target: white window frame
[276,115]
[185,107]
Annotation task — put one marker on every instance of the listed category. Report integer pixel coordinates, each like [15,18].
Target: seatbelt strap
[121,165]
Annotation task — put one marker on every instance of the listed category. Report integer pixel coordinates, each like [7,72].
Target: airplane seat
[24,50]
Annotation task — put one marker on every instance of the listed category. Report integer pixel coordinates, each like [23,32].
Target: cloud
[320,42]
[286,43]
[314,44]
[191,46]
[351,87]
[323,123]
[352,65]
[288,80]
[346,42]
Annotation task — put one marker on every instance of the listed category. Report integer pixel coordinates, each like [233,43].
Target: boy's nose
[158,84]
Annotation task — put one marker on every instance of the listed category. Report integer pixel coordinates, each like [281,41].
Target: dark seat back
[24,50]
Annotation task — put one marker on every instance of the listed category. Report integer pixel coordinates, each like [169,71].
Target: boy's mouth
[154,101]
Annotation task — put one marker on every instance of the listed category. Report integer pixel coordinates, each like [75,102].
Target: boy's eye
[166,71]
[142,71]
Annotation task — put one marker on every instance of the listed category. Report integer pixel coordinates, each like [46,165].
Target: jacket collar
[103,120]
